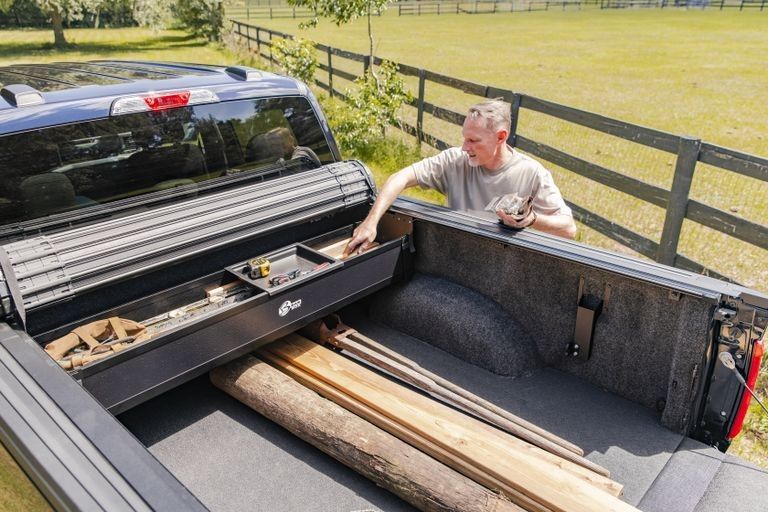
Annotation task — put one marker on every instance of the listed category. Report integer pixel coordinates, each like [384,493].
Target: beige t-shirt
[472,188]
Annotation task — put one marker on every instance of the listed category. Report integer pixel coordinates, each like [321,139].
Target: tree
[55,9]
[297,58]
[202,17]
[343,11]
[153,14]
[59,10]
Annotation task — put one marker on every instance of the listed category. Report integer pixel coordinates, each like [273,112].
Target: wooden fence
[275,9]
[676,201]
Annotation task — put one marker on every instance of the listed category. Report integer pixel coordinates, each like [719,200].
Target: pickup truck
[144,190]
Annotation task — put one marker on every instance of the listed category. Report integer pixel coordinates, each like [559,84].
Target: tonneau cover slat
[55,266]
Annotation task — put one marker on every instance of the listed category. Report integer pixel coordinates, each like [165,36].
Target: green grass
[17,493]
[30,46]
[687,72]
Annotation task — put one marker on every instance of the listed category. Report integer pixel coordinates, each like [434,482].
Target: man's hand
[513,222]
[362,239]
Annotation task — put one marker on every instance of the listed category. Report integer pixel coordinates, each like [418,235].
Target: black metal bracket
[588,310]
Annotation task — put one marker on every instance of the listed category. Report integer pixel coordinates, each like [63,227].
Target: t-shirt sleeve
[548,199]
[433,172]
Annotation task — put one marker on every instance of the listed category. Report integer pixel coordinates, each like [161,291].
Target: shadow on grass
[10,49]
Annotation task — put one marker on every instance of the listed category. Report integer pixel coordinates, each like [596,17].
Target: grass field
[29,46]
[687,72]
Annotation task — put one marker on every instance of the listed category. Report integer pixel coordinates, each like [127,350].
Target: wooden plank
[523,467]
[639,189]
[456,83]
[617,232]
[429,406]
[338,72]
[406,370]
[741,163]
[444,114]
[426,137]
[348,55]
[335,248]
[729,224]
[632,132]
[422,481]
[394,428]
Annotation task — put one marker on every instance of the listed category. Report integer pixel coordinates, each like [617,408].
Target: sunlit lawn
[28,46]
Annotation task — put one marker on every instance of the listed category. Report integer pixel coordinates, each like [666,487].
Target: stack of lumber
[431,455]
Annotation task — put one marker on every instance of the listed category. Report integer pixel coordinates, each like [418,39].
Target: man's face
[481,144]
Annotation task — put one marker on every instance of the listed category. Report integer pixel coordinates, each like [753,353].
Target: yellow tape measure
[258,267]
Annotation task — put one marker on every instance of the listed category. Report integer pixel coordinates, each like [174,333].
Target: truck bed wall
[517,311]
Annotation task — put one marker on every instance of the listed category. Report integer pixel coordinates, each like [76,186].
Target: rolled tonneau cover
[50,267]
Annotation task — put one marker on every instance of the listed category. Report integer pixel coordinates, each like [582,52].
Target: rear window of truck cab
[65,168]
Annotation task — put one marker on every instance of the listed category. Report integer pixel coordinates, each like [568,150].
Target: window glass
[17,492]
[65,168]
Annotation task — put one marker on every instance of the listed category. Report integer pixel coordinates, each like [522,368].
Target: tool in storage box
[80,276]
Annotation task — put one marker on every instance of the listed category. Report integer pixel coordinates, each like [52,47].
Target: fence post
[366,63]
[271,47]
[687,156]
[258,41]
[515,115]
[330,73]
[247,36]
[420,107]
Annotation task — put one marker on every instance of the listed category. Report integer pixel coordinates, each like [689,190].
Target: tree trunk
[58,28]
[389,462]
[96,18]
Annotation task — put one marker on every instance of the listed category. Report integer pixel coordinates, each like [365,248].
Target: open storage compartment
[208,321]
[288,267]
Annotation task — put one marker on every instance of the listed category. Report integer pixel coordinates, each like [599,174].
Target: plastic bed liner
[232,458]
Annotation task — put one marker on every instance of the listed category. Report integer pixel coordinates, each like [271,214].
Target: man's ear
[501,136]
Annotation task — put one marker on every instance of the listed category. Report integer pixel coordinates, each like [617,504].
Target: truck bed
[232,458]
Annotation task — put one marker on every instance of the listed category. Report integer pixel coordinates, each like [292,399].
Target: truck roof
[37,95]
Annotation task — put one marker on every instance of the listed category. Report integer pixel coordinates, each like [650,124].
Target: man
[471,176]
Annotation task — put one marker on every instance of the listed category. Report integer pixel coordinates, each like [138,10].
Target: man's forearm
[560,225]
[365,233]
[387,195]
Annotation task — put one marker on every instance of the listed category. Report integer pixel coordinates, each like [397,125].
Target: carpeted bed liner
[232,458]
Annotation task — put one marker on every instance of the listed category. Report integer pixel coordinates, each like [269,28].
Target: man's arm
[365,233]
[560,225]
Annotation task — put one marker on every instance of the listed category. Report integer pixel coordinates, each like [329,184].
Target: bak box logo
[288,306]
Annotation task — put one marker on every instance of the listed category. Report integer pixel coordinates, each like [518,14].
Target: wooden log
[390,463]
[410,437]
[425,381]
[518,465]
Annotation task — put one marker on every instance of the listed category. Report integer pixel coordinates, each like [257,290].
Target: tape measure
[258,267]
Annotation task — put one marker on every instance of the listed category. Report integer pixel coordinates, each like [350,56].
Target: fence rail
[676,201]
[275,9]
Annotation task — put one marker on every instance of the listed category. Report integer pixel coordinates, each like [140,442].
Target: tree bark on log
[386,460]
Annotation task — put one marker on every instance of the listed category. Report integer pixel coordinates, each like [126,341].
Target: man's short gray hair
[496,113]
